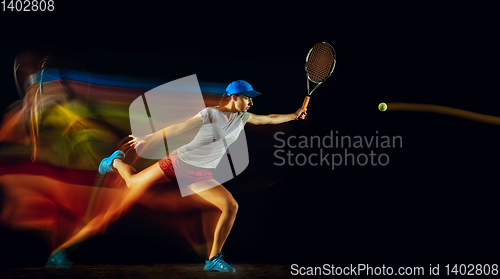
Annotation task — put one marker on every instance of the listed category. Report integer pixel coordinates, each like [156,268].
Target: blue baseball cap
[243,87]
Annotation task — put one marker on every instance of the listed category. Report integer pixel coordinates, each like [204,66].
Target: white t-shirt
[219,130]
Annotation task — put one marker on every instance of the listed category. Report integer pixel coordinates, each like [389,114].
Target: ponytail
[223,99]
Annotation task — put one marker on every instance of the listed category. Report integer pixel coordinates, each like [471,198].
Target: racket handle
[304,105]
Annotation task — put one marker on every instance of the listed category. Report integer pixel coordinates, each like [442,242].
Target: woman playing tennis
[195,161]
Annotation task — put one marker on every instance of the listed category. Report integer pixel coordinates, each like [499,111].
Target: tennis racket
[320,62]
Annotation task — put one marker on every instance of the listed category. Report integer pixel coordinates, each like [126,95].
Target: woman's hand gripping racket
[320,62]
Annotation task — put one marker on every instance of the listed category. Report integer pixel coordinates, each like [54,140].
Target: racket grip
[304,105]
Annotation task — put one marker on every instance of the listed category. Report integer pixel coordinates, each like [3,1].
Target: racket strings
[320,62]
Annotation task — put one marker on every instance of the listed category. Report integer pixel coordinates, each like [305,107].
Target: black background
[436,201]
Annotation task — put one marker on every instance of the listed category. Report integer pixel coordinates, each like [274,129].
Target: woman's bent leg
[222,198]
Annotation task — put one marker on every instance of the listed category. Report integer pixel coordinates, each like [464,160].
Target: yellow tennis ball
[382,106]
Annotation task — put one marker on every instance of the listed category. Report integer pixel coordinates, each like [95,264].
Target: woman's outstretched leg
[138,182]
[148,177]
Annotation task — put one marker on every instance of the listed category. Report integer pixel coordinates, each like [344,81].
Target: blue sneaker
[106,164]
[58,260]
[218,264]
